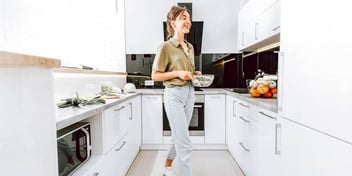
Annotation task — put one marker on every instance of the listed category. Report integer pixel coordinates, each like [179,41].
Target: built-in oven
[196,126]
[73,147]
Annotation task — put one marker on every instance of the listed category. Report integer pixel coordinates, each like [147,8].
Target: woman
[174,65]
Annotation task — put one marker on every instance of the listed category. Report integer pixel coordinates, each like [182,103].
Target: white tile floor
[204,163]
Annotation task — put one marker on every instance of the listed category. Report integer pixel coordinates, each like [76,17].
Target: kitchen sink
[238,90]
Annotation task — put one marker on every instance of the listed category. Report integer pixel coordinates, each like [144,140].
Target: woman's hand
[184,75]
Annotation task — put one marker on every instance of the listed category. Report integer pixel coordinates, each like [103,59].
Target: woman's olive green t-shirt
[171,57]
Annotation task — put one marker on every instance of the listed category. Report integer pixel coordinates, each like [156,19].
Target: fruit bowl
[204,80]
[262,88]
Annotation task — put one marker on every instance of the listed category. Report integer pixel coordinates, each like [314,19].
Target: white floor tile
[204,163]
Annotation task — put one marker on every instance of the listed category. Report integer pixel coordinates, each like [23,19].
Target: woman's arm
[163,76]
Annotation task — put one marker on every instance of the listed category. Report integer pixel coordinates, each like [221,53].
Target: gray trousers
[179,102]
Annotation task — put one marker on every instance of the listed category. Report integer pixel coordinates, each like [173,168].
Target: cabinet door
[114,125]
[314,87]
[264,143]
[268,22]
[152,119]
[117,161]
[214,119]
[230,122]
[241,137]
[135,124]
[246,25]
[306,152]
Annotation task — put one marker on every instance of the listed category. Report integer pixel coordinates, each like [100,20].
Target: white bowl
[204,80]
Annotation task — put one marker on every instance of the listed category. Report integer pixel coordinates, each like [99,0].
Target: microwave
[73,147]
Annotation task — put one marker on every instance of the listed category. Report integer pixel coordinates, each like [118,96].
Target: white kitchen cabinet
[135,124]
[246,25]
[115,120]
[306,152]
[242,139]
[119,157]
[259,20]
[214,120]
[265,153]
[314,87]
[268,22]
[28,144]
[152,119]
[230,122]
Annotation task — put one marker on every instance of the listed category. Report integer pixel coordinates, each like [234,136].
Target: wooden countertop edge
[83,71]
[10,59]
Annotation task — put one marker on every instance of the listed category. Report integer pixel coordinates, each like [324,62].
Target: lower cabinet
[241,148]
[230,123]
[118,154]
[214,119]
[306,152]
[262,143]
[264,136]
[152,119]
[252,137]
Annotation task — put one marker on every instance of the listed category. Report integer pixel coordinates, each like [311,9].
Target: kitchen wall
[67,84]
[89,32]
[144,30]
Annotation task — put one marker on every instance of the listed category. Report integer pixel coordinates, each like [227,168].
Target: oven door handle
[88,141]
[198,106]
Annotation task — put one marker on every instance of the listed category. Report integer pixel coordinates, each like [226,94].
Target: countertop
[10,59]
[266,103]
[71,115]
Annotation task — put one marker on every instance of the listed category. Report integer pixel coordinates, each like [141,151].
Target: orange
[273,90]
[262,89]
[268,95]
[253,91]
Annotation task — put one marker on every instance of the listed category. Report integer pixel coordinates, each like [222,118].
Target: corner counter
[269,104]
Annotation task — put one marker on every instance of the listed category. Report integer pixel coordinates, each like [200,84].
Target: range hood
[265,45]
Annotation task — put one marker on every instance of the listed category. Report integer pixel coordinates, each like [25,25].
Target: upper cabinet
[258,24]
[80,32]
[144,25]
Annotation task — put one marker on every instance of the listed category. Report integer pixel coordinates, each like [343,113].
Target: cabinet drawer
[241,154]
[115,124]
[243,108]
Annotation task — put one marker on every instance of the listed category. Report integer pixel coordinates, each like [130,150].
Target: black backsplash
[230,70]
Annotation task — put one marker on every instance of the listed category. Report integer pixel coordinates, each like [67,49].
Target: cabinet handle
[241,144]
[280,87]
[267,115]
[276,28]
[277,138]
[96,174]
[215,97]
[247,106]
[242,38]
[86,132]
[233,108]
[255,30]
[151,97]
[123,143]
[131,116]
[118,109]
[244,119]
